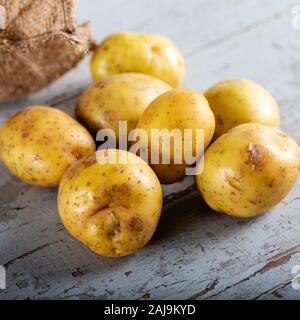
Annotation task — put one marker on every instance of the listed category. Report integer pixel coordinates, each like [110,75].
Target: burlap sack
[39,42]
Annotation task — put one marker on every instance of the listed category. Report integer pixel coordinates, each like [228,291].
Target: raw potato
[111,207]
[249,170]
[39,143]
[122,97]
[151,54]
[239,101]
[177,109]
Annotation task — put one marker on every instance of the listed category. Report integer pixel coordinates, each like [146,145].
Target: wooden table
[195,253]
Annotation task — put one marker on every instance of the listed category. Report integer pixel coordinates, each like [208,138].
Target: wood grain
[195,253]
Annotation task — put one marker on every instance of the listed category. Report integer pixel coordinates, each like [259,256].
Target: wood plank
[195,253]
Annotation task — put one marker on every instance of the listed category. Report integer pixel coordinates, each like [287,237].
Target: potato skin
[151,54]
[177,109]
[249,170]
[39,143]
[123,97]
[112,208]
[239,101]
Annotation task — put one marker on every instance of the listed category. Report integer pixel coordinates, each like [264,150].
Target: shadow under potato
[190,215]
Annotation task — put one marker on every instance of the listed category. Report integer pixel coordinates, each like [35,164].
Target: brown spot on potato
[36,158]
[115,228]
[124,189]
[271,183]
[97,201]
[258,156]
[281,134]
[100,85]
[136,224]
[89,160]
[110,117]
[25,134]
[233,181]
[111,234]
[105,190]
[71,172]
[119,169]
[76,155]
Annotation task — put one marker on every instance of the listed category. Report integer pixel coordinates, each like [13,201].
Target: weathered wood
[195,253]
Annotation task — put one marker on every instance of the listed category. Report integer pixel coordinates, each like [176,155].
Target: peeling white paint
[195,252]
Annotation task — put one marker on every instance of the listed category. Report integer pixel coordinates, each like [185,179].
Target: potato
[176,109]
[122,97]
[151,54]
[239,101]
[249,170]
[39,143]
[112,207]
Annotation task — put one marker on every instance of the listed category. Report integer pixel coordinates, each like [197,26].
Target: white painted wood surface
[195,252]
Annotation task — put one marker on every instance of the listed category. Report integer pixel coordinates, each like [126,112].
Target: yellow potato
[176,109]
[239,101]
[151,54]
[1,128]
[122,97]
[249,170]
[113,208]
[39,143]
